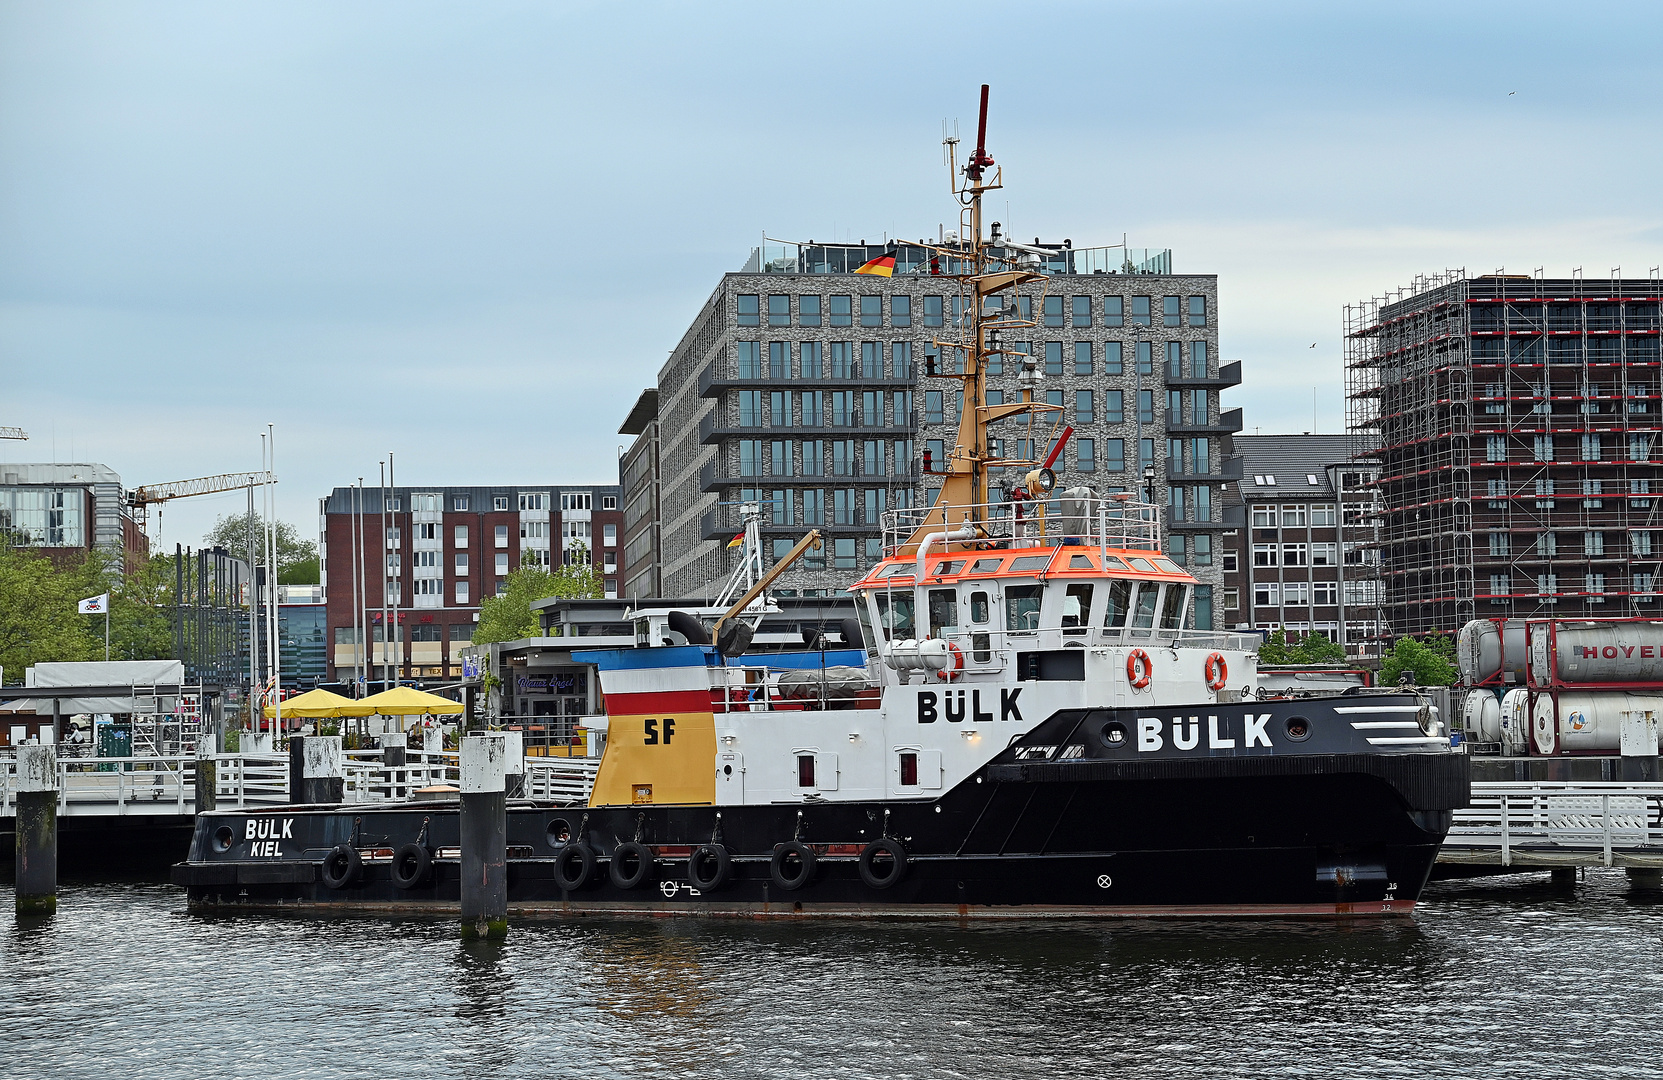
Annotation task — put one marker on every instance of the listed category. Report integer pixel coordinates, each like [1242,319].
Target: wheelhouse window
[895,615]
[1143,617]
[1076,606]
[1119,604]
[1022,607]
[1172,608]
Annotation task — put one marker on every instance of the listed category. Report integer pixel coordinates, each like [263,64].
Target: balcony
[1229,422]
[710,386]
[1228,375]
[1229,470]
[710,434]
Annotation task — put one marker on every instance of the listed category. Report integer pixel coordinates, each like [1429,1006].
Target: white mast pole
[276,654]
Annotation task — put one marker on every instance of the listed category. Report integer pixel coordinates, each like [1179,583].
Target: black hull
[1320,834]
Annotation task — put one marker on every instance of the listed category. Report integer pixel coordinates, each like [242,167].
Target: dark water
[1486,980]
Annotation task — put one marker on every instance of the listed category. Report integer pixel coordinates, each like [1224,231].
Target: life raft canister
[1139,669]
[956,666]
[1216,671]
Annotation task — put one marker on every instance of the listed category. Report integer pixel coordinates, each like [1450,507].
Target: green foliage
[509,617]
[1427,660]
[297,557]
[1277,651]
[37,610]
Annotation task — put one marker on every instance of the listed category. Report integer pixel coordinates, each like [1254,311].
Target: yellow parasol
[403,701]
[318,703]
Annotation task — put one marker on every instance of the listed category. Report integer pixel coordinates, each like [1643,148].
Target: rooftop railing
[1089,520]
[784,257]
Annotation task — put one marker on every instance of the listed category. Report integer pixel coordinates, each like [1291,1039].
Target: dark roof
[1292,460]
[644,413]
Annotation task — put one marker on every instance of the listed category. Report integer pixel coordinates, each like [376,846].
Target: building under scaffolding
[1516,422]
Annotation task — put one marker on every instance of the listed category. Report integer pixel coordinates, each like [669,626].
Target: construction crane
[139,499]
[13,433]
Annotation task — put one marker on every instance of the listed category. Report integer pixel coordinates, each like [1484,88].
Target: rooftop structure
[64,509]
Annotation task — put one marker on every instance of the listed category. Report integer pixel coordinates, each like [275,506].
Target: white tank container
[1515,722]
[1479,650]
[1588,721]
[1616,652]
[1481,717]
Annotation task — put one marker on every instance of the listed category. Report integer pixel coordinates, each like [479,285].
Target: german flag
[736,541]
[882,266]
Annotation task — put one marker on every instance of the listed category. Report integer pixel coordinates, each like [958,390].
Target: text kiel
[264,833]
[960,705]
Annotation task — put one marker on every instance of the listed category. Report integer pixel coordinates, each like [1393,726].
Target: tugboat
[1037,731]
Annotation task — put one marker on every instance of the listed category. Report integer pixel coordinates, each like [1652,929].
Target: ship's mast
[965,494]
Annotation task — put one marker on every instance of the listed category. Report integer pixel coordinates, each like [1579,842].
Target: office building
[804,387]
[65,511]
[641,561]
[1516,423]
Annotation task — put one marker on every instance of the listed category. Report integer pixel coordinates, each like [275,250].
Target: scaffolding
[1516,422]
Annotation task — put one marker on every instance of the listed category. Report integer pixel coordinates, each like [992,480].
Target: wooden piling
[484,827]
[37,830]
[322,780]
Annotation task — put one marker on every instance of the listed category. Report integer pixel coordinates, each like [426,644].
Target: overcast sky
[470,233]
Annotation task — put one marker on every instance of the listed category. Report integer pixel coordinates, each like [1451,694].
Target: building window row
[1058,311]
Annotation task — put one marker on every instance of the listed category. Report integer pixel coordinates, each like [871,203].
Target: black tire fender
[720,865]
[412,866]
[869,872]
[574,867]
[641,855]
[342,867]
[778,870]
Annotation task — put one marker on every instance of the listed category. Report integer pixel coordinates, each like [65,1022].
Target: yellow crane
[139,499]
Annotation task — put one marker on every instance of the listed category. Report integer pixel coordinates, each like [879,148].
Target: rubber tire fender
[412,866]
[343,867]
[805,862]
[720,872]
[624,852]
[869,854]
[584,856]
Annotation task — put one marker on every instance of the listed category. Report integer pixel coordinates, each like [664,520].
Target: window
[875,504]
[1146,452]
[1022,607]
[609,535]
[900,311]
[813,416]
[1083,407]
[1295,555]
[1547,584]
[1264,517]
[805,770]
[1293,516]
[1170,315]
[842,359]
[1203,503]
[502,565]
[842,311]
[461,539]
[1322,514]
[933,407]
[1230,562]
[461,592]
[1145,358]
[609,502]
[1140,311]
[1232,599]
[1296,592]
[1114,311]
[1053,311]
[1324,555]
[575,500]
[749,312]
[1543,448]
[1200,456]
[1501,584]
[1594,584]
[1500,544]
[814,507]
[814,457]
[1201,543]
[1146,407]
[1593,543]
[779,310]
[461,563]
[843,408]
[1114,406]
[1052,397]
[900,360]
[459,502]
[1267,594]
[533,529]
[1053,354]
[808,311]
[779,512]
[1086,454]
[499,502]
[1264,554]
[933,311]
[1592,488]
[1198,313]
[1175,360]
[1325,592]
[750,408]
[843,457]
[871,458]
[1175,502]
[844,550]
[871,311]
[1640,543]
[1639,448]
[1114,455]
[1082,358]
[502,536]
[779,408]
[779,360]
[1111,358]
[1175,456]
[1590,448]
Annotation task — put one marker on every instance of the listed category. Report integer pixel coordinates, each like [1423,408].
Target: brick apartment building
[437,552]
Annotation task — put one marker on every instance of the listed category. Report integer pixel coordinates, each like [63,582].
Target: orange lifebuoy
[1217,671]
[1139,669]
[956,666]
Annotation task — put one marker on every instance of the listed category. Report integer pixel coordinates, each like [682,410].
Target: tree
[509,617]
[1314,648]
[1423,660]
[297,557]
[38,620]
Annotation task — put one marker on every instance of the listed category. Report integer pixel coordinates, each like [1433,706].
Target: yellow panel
[679,770]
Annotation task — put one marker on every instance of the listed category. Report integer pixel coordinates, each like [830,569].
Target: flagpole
[106,632]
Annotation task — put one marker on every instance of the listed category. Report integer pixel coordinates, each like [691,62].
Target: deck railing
[1111,522]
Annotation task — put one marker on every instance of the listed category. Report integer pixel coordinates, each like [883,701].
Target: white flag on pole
[94,605]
